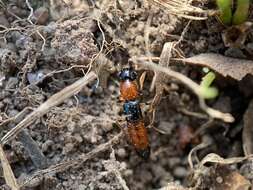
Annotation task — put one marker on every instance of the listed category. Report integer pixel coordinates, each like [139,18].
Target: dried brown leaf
[226,66]
[236,35]
[159,79]
[247,134]
[220,177]
[8,174]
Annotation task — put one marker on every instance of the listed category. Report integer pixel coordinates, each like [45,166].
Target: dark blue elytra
[132,110]
[127,73]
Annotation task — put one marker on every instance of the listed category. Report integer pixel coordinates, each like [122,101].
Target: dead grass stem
[182,8]
[189,83]
[7,171]
[54,100]
[77,162]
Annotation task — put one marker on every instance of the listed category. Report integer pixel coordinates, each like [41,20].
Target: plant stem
[225,10]
[242,12]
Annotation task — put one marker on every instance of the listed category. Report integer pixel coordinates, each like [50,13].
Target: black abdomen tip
[144,153]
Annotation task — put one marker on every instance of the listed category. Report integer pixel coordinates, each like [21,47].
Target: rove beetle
[135,130]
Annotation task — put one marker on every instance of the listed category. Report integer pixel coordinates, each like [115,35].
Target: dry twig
[113,166]
[83,158]
[8,173]
[30,21]
[55,100]
[247,132]
[183,8]
[14,118]
[192,85]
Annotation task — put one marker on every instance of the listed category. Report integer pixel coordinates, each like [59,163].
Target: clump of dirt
[73,42]
[42,51]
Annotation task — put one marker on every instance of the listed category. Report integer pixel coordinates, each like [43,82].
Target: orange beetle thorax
[129,90]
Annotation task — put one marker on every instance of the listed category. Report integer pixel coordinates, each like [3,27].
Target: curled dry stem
[8,174]
[30,21]
[192,85]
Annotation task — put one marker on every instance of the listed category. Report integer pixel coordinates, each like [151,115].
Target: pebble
[112,88]
[128,172]
[81,187]
[121,153]
[7,101]
[166,126]
[235,52]
[78,138]
[4,21]
[12,113]
[250,46]
[33,78]
[11,47]
[41,15]
[180,172]
[50,28]
[219,179]
[68,147]
[23,41]
[139,40]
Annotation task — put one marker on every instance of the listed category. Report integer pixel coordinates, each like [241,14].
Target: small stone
[121,153]
[4,21]
[235,52]
[68,148]
[41,15]
[11,47]
[71,126]
[69,102]
[112,88]
[250,46]
[166,126]
[78,138]
[128,172]
[13,113]
[50,28]
[180,172]
[12,83]
[34,78]
[82,187]
[139,40]
[23,41]
[219,179]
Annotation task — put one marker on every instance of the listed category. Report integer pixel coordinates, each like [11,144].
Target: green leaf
[242,12]
[225,7]
[209,92]
[206,91]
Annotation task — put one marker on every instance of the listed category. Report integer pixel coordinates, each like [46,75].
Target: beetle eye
[133,75]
